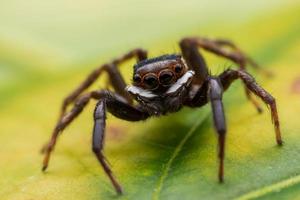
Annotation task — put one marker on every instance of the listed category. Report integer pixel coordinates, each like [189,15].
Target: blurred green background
[48,47]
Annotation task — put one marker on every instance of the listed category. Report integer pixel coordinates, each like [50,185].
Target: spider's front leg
[224,48]
[117,105]
[115,77]
[121,109]
[215,93]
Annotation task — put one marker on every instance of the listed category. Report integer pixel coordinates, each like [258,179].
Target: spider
[160,86]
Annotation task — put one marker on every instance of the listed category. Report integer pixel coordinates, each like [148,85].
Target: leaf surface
[172,157]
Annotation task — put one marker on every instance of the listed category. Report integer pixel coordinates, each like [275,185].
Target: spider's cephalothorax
[158,74]
[163,85]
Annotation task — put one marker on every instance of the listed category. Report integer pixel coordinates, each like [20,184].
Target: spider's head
[161,77]
[160,73]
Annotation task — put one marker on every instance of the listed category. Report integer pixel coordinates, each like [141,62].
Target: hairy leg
[227,43]
[120,109]
[215,93]
[228,76]
[65,120]
[219,47]
[116,78]
[116,104]
[195,61]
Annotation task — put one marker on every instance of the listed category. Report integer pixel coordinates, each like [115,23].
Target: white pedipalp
[137,91]
[184,80]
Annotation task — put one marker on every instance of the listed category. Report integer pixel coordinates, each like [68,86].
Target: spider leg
[228,76]
[120,109]
[116,104]
[115,76]
[249,60]
[66,119]
[220,48]
[189,47]
[215,93]
[116,80]
[195,61]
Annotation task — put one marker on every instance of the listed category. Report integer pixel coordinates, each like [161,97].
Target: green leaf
[172,157]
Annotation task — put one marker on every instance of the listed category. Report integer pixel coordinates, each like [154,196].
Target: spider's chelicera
[160,86]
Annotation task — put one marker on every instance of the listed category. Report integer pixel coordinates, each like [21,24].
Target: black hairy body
[160,86]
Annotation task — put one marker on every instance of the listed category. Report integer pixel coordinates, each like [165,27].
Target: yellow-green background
[48,47]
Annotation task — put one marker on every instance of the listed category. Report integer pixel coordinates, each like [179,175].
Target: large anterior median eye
[166,77]
[150,81]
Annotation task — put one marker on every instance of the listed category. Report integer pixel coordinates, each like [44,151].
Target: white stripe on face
[185,80]
[137,91]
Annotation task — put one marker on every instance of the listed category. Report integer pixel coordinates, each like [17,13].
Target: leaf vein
[271,188]
[177,150]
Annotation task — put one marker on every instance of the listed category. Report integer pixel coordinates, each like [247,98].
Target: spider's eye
[137,79]
[178,69]
[150,81]
[166,78]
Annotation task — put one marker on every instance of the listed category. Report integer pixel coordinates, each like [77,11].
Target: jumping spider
[160,86]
